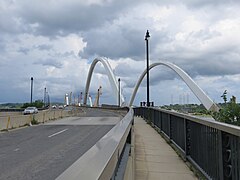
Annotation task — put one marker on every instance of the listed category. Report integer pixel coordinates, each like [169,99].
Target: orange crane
[99,93]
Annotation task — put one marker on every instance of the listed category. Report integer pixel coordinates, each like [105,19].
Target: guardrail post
[220,152]
[148,116]
[8,122]
[43,117]
[170,126]
[161,121]
[226,155]
[187,137]
[30,119]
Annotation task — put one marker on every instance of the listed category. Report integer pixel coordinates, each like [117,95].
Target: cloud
[121,38]
[24,50]
[211,3]
[50,62]
[76,15]
[43,47]
[55,42]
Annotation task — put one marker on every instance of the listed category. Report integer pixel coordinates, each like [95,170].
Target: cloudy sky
[55,42]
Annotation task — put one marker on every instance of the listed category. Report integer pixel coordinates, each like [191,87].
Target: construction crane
[99,93]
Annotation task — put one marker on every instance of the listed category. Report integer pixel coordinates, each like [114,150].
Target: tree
[224,96]
[230,113]
[37,104]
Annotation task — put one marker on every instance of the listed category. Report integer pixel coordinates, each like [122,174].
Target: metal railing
[102,160]
[212,147]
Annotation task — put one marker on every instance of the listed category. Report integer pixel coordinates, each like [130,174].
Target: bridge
[120,142]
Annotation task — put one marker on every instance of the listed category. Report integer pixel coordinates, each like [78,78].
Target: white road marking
[16,149]
[58,133]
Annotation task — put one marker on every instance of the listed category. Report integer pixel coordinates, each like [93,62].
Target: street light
[119,92]
[44,98]
[147,37]
[31,88]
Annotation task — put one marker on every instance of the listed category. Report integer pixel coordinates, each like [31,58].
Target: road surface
[45,151]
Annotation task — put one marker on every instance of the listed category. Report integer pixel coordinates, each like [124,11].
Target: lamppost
[31,88]
[119,92]
[48,100]
[147,36]
[44,98]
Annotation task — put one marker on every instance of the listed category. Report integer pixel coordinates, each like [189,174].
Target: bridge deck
[154,158]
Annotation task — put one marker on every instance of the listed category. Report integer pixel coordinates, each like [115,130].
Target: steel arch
[199,93]
[111,77]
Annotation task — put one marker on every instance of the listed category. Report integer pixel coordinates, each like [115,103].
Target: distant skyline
[55,42]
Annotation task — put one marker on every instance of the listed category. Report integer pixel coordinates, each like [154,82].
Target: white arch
[111,77]
[203,98]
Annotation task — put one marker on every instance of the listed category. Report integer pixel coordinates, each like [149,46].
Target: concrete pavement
[46,150]
[154,158]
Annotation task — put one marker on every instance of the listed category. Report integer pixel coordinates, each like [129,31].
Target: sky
[55,41]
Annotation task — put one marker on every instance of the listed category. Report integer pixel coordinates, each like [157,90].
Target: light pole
[44,98]
[48,100]
[147,36]
[119,92]
[31,88]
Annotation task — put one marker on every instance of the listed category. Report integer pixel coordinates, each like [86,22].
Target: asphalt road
[45,151]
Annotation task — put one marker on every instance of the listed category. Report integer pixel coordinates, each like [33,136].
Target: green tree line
[37,104]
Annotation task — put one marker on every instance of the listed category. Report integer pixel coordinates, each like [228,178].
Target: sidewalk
[154,158]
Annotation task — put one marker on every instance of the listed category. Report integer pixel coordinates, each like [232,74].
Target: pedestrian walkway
[154,158]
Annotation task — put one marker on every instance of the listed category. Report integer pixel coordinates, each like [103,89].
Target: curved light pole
[147,36]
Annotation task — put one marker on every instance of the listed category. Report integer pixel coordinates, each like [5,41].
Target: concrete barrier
[102,160]
[13,120]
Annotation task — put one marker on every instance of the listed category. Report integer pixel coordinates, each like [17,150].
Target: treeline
[37,104]
[188,108]
[10,105]
[229,110]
